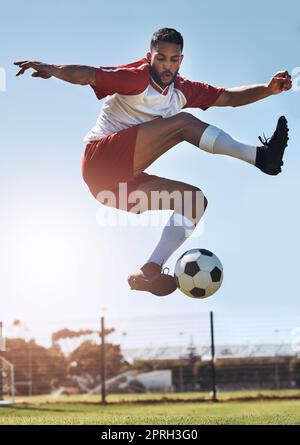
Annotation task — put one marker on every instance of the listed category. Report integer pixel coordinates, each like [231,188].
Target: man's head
[166,55]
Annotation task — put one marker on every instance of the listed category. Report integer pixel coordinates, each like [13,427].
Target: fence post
[103,388]
[213,370]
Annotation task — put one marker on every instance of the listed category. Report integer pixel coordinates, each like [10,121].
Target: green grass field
[135,410]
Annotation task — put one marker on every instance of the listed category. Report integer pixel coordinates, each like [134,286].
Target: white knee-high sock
[176,231]
[215,140]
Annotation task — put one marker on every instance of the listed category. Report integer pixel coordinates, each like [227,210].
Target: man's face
[165,59]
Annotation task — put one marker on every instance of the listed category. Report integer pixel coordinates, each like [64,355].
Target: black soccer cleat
[269,156]
[151,278]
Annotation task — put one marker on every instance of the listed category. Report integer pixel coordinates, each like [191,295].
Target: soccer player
[141,119]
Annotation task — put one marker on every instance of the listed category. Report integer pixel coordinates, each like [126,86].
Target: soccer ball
[198,273]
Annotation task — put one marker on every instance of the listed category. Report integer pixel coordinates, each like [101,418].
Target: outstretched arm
[77,74]
[238,96]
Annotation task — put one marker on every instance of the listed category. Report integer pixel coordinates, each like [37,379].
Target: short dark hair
[166,35]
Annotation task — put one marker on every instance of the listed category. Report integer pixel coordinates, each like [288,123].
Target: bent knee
[185,118]
[185,121]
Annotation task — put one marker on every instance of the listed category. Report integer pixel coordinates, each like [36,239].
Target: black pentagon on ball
[191,268]
[198,292]
[206,252]
[216,274]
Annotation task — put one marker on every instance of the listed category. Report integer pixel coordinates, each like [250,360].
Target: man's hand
[280,82]
[77,74]
[41,69]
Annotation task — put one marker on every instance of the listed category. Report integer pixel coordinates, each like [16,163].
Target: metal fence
[202,354]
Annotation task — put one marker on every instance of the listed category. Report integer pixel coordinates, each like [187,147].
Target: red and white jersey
[133,97]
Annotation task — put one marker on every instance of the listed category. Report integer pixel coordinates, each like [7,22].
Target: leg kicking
[155,138]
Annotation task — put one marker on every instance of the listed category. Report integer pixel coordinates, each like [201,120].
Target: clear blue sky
[56,261]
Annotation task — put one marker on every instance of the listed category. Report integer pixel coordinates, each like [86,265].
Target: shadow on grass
[164,399]
[28,407]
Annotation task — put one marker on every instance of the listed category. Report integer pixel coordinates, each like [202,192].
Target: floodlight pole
[213,369]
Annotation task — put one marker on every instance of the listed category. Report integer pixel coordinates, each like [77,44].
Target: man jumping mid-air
[141,119]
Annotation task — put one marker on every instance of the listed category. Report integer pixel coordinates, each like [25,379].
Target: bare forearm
[78,74]
[245,95]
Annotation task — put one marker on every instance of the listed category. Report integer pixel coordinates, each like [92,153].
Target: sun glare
[46,255]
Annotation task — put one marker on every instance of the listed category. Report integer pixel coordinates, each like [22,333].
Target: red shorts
[109,161]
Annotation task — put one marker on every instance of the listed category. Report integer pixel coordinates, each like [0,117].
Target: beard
[157,77]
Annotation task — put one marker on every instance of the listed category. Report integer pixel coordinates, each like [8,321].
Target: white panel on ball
[198,273]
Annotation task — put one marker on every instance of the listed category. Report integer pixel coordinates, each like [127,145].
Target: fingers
[285,80]
[288,81]
[282,75]
[24,66]
[286,86]
[23,63]
[287,76]
[22,71]
[19,63]
[40,68]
